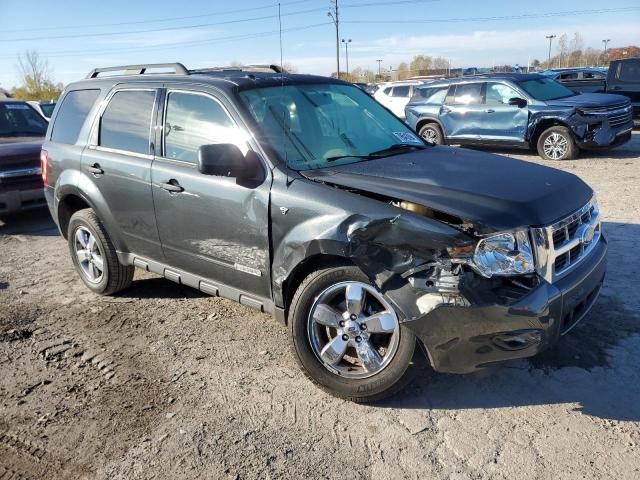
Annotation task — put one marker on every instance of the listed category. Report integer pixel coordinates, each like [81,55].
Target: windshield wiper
[385,152]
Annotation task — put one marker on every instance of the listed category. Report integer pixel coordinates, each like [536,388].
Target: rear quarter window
[72,114]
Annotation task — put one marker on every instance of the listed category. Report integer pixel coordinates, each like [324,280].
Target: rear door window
[126,122]
[402,91]
[466,94]
[72,114]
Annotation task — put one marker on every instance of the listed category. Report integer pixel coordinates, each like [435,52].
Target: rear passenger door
[399,98]
[463,111]
[118,163]
[210,226]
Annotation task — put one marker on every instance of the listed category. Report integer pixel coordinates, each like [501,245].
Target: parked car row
[557,113]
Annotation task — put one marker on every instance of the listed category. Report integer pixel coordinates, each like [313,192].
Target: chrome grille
[561,246]
[615,120]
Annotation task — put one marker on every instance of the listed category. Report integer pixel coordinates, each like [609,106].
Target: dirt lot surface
[164,382]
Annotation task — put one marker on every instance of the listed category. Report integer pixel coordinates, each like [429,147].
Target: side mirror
[227,160]
[518,102]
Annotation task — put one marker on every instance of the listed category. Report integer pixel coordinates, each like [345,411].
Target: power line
[159,20]
[202,25]
[503,17]
[164,29]
[166,46]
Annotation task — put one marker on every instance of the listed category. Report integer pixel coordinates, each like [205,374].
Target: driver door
[503,122]
[210,226]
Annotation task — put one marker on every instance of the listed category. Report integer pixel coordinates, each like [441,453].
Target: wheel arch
[423,121]
[545,124]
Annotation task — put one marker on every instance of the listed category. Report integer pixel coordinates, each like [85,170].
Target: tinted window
[629,71]
[47,109]
[499,94]
[387,91]
[466,94]
[593,75]
[72,115]
[400,91]
[429,94]
[194,120]
[568,76]
[126,122]
[18,119]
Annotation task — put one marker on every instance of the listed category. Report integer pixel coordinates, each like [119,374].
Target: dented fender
[382,240]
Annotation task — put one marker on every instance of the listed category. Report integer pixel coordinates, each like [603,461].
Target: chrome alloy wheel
[555,146]
[89,254]
[353,330]
[430,135]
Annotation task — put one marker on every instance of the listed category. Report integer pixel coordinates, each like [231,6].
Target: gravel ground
[164,382]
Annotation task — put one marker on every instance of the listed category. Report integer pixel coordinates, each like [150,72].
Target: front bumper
[14,201]
[462,339]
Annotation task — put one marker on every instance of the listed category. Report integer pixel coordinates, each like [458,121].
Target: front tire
[347,338]
[94,256]
[556,143]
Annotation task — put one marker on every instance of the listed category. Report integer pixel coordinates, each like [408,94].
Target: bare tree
[440,64]
[420,64]
[403,71]
[563,50]
[35,78]
[575,51]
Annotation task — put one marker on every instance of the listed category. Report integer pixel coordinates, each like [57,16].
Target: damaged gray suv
[302,197]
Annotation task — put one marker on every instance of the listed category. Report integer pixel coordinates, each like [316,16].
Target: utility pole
[379,63]
[550,38]
[606,42]
[346,48]
[333,13]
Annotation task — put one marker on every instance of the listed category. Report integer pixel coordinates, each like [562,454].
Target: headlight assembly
[504,254]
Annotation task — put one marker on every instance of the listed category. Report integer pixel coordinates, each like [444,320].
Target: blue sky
[217,33]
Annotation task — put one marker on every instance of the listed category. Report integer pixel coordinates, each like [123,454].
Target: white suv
[396,95]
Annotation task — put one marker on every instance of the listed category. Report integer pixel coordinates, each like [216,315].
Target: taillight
[44,156]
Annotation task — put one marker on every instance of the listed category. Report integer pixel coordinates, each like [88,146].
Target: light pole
[333,13]
[550,38]
[379,63]
[606,42]
[346,49]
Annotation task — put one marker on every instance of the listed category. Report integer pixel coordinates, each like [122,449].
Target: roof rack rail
[241,68]
[178,68]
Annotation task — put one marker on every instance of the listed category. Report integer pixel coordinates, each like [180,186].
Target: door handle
[95,169]
[490,110]
[172,186]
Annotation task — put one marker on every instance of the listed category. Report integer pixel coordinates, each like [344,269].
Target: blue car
[519,110]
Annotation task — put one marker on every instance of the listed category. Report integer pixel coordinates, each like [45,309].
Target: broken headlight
[504,254]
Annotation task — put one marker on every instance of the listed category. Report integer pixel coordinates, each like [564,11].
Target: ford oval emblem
[587,234]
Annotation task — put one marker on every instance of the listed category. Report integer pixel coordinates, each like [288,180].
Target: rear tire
[431,133]
[556,143]
[94,256]
[385,347]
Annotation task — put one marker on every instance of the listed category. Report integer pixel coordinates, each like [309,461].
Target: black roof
[225,78]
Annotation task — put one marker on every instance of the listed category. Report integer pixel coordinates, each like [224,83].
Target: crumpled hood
[494,192]
[589,100]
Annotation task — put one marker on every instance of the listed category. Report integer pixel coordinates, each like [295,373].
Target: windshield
[19,119]
[545,89]
[315,126]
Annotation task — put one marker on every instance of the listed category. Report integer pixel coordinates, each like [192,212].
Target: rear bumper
[461,339]
[14,201]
